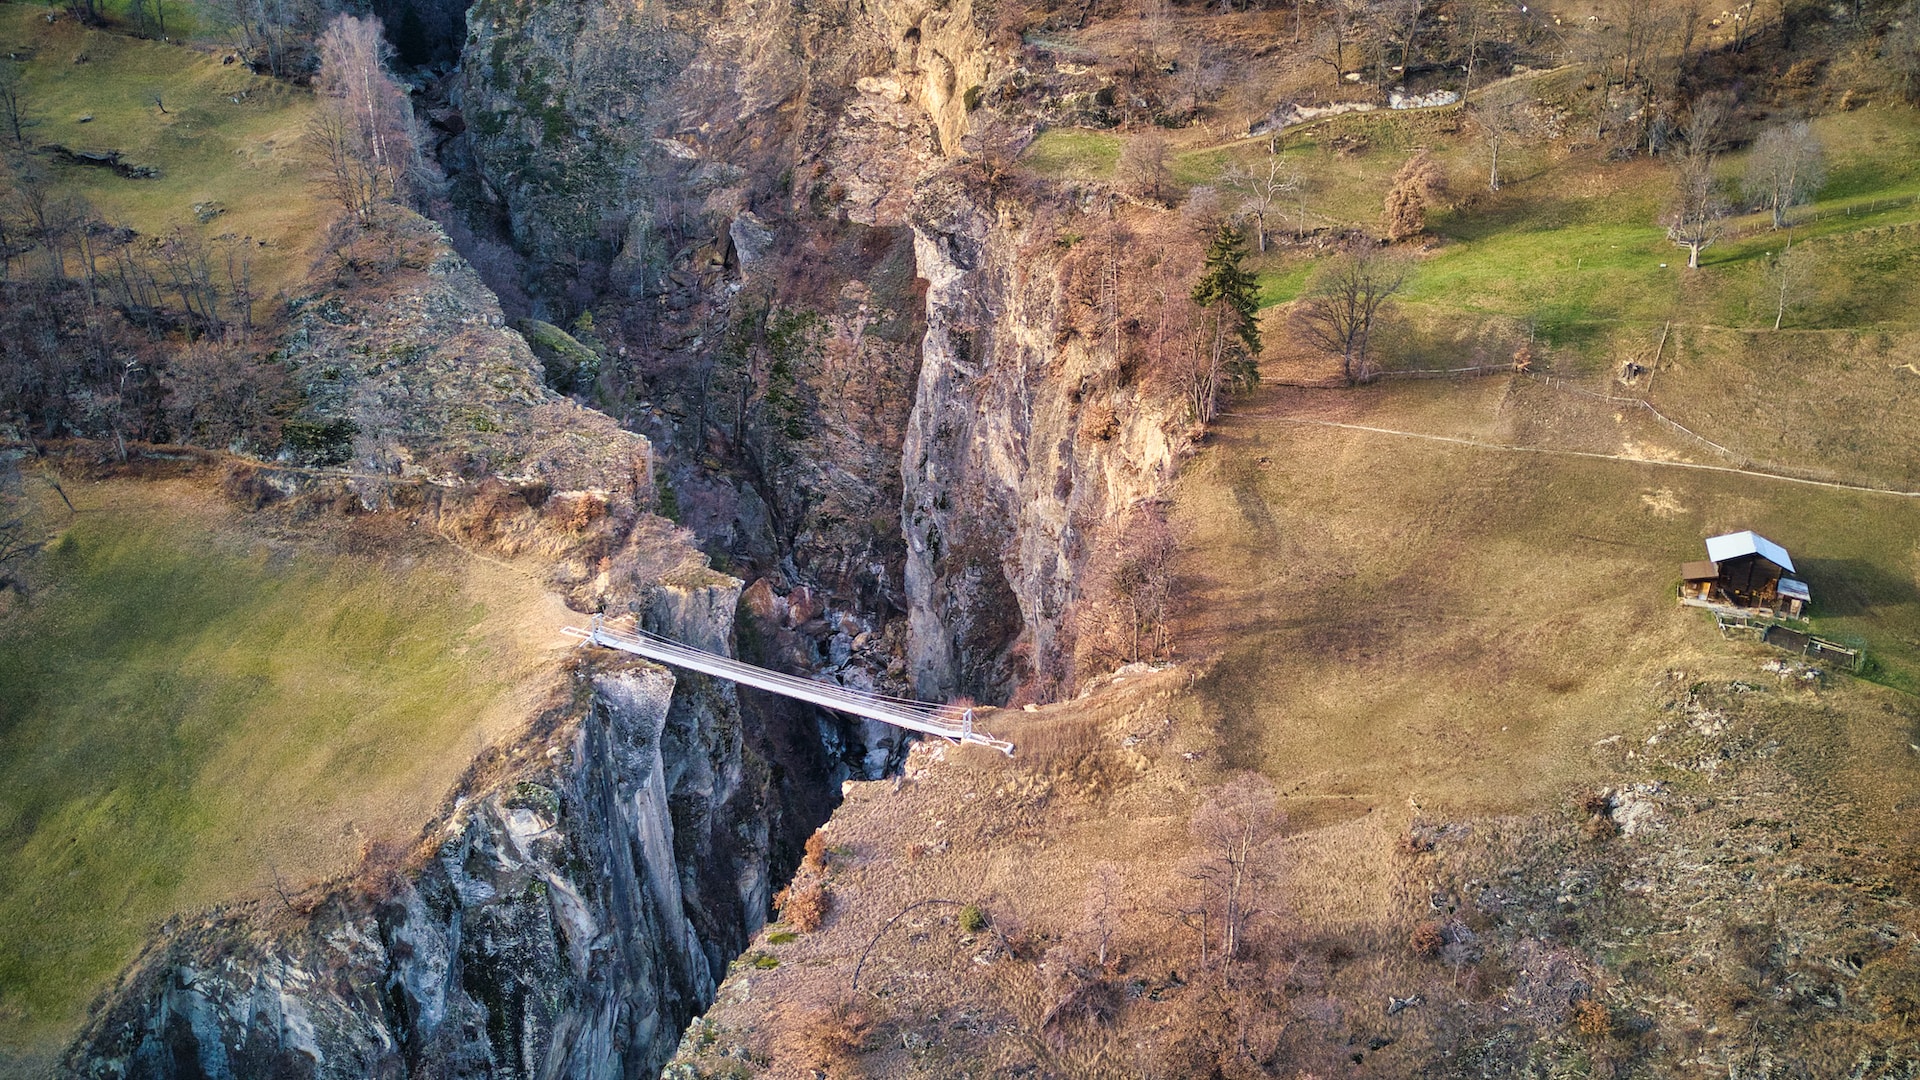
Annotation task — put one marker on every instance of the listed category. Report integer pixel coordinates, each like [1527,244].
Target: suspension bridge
[945,721]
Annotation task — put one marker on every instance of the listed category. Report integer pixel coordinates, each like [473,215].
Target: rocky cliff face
[567,916]
[1026,437]
[925,462]
[575,902]
[865,360]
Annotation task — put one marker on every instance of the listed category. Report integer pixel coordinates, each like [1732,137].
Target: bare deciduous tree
[363,134]
[1336,28]
[1472,27]
[1102,908]
[217,395]
[12,108]
[1262,188]
[149,17]
[1900,48]
[272,35]
[1785,168]
[1697,215]
[1500,121]
[1236,829]
[1344,301]
[48,216]
[1142,171]
[1789,282]
[994,146]
[1129,592]
[18,538]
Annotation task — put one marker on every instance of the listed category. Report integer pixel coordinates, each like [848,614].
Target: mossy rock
[571,367]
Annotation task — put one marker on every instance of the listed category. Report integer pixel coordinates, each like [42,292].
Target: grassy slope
[1396,616]
[1573,246]
[228,138]
[190,711]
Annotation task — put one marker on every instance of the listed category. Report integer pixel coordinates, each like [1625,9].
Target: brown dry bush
[1416,188]
[1601,827]
[1228,1022]
[804,905]
[575,511]
[828,1040]
[249,487]
[1426,940]
[815,859]
[1592,1019]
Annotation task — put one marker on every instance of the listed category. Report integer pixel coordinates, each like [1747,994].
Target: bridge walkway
[944,721]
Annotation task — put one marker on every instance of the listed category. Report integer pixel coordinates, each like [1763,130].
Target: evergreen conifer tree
[1230,298]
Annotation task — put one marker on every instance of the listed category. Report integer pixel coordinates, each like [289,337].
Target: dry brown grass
[1390,619]
[1427,650]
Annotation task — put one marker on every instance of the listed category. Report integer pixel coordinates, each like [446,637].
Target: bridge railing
[901,712]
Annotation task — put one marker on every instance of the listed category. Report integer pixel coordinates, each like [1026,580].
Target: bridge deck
[900,712]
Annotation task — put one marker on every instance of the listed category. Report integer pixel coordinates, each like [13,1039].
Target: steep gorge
[707,171]
[913,514]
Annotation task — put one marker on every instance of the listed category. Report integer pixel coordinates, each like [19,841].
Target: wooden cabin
[1746,570]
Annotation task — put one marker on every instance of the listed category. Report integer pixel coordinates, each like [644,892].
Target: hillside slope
[1577,829]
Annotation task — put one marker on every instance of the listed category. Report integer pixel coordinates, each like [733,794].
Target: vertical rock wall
[1005,478]
[792,145]
[566,919]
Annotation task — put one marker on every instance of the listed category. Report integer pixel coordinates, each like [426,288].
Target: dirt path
[1508,448]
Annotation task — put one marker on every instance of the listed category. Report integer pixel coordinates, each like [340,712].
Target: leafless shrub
[804,905]
[829,1040]
[1426,940]
[1416,188]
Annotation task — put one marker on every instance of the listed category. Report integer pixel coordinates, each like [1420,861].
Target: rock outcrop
[1006,475]
[566,916]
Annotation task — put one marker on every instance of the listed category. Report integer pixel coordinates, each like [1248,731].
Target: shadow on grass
[1846,588]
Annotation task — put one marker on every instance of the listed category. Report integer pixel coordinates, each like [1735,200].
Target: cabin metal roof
[1700,571]
[1796,590]
[1734,545]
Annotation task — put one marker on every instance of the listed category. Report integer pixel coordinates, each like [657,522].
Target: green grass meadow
[185,718]
[1074,154]
[227,145]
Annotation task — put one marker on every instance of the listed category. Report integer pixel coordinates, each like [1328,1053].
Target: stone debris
[1637,809]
